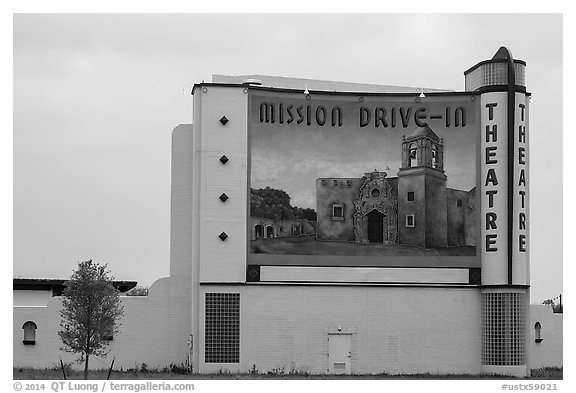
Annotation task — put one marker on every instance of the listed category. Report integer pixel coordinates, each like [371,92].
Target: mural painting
[384,175]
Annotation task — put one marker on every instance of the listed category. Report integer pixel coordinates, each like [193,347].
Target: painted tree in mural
[91,311]
[275,204]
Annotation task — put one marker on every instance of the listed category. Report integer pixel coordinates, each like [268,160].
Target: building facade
[336,307]
[268,228]
[416,208]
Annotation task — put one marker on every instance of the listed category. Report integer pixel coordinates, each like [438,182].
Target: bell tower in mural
[415,209]
[422,206]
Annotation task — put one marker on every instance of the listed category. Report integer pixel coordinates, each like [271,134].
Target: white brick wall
[153,330]
[181,203]
[548,352]
[395,330]
[221,261]
[27,298]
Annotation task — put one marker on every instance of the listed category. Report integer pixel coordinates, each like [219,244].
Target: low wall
[154,330]
[548,352]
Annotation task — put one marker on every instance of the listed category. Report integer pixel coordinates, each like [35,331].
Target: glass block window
[503,329]
[520,74]
[490,74]
[222,328]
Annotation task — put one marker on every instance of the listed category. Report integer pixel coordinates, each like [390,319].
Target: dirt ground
[307,245]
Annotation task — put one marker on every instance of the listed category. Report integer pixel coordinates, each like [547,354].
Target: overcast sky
[96,98]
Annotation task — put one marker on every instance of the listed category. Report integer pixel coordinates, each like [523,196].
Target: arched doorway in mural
[376,211]
[259,231]
[269,231]
[376,226]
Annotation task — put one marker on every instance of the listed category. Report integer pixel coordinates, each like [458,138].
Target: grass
[20,373]
[307,245]
[547,373]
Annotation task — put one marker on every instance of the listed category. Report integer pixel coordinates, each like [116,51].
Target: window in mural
[410,221]
[434,157]
[412,155]
[337,211]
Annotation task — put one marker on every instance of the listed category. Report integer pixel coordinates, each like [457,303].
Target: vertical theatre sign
[520,194]
[496,185]
[494,178]
[504,212]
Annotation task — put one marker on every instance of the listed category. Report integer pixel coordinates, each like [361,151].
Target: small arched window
[29,333]
[537,332]
[258,231]
[412,155]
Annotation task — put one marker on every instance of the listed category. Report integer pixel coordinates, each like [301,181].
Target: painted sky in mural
[292,156]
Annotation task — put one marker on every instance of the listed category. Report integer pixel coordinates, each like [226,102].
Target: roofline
[469,70]
[57,285]
[336,93]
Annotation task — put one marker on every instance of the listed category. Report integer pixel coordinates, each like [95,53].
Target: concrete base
[515,371]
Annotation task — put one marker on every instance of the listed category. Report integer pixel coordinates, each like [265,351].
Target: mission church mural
[413,208]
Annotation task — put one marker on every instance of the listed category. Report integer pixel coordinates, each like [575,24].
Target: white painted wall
[154,330]
[395,330]
[221,261]
[181,202]
[363,274]
[548,352]
[23,298]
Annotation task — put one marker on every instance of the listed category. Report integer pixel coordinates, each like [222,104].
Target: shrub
[179,369]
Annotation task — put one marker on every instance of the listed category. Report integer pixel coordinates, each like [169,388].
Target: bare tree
[91,310]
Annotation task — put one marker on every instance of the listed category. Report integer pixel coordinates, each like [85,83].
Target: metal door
[339,353]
